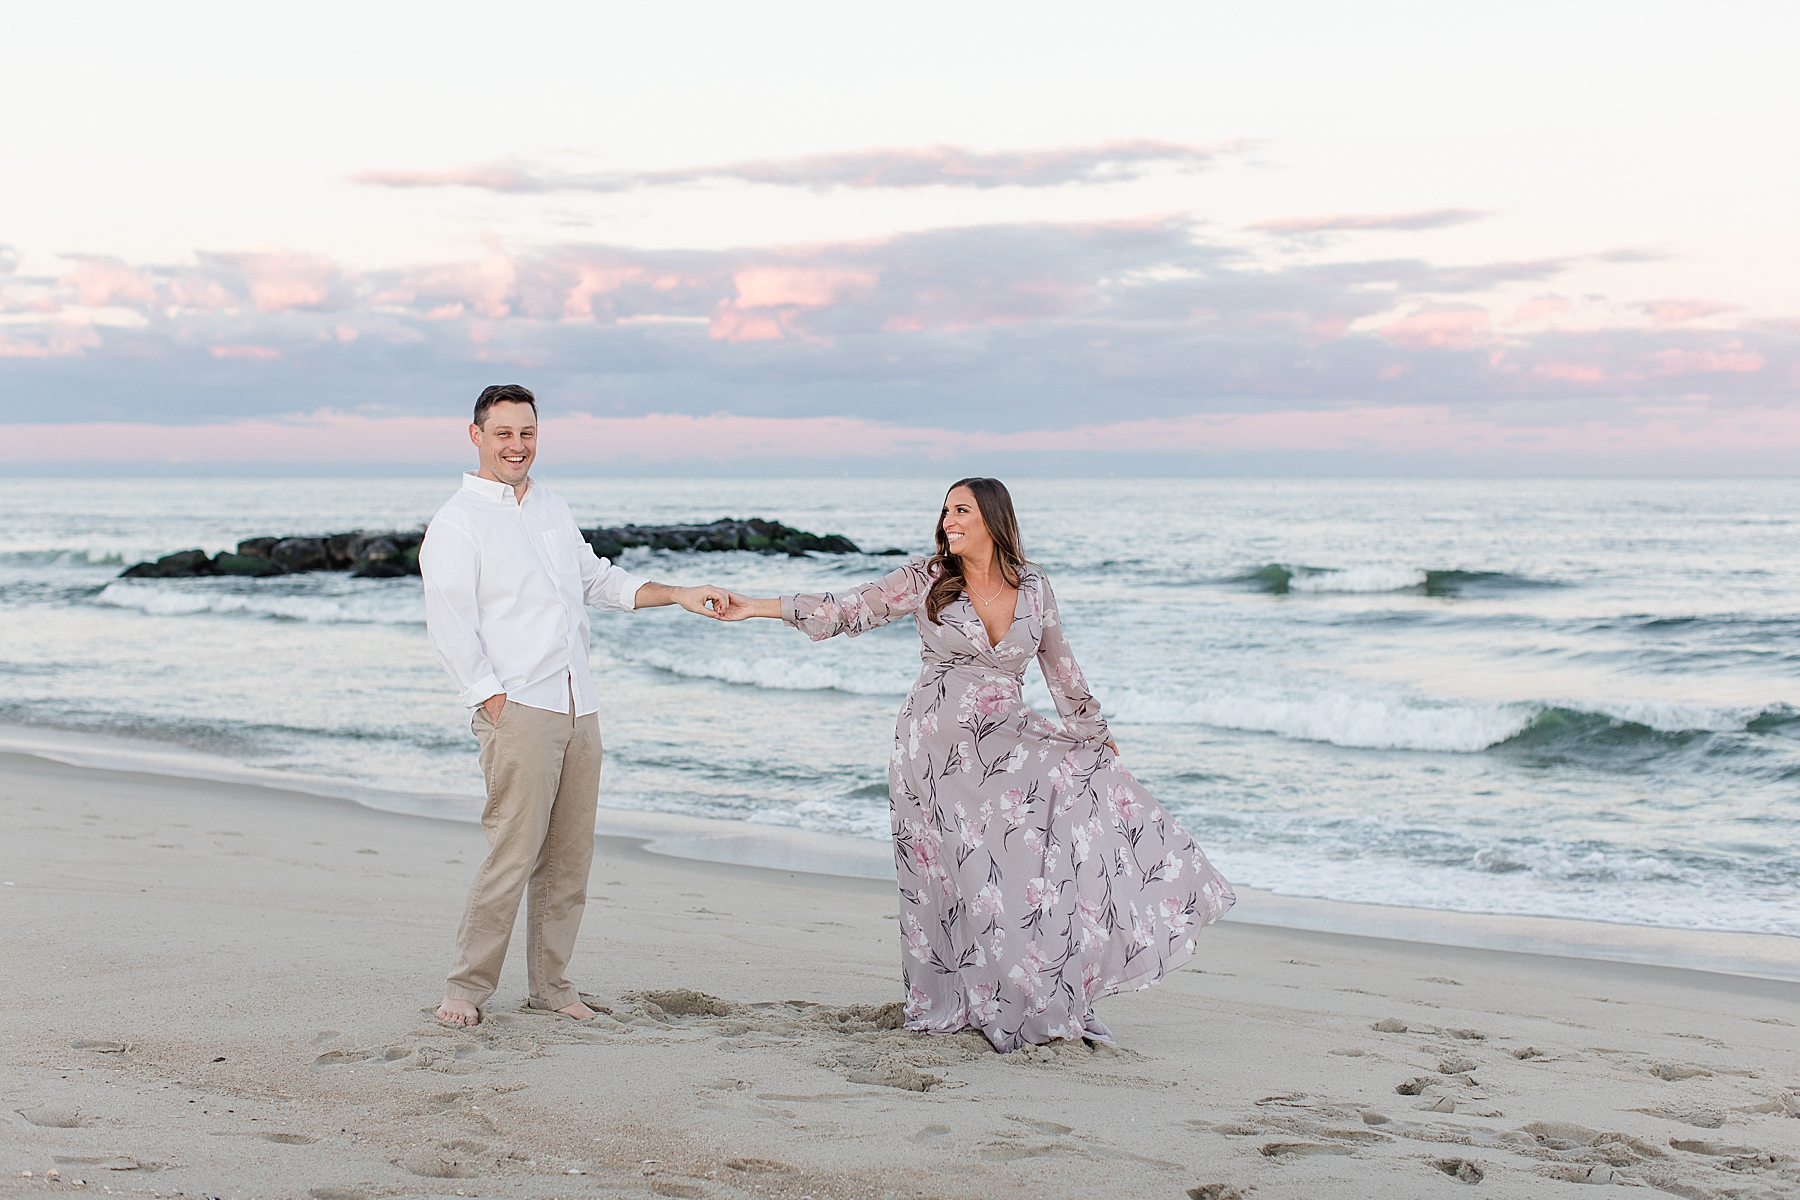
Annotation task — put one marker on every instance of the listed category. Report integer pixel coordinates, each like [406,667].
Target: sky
[1392,238]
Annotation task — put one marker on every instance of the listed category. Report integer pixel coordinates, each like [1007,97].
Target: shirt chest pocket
[559,552]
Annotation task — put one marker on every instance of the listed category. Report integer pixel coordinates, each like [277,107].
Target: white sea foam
[1668,716]
[778,673]
[384,607]
[1358,579]
[1361,720]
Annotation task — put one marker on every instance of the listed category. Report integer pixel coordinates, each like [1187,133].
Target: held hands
[709,601]
[706,601]
[738,608]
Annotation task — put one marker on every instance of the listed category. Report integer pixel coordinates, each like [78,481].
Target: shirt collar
[490,489]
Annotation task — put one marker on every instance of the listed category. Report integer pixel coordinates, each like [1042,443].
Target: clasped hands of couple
[722,604]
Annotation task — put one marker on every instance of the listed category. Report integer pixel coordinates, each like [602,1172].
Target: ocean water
[1564,698]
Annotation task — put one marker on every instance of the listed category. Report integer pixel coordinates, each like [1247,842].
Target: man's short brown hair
[497,393]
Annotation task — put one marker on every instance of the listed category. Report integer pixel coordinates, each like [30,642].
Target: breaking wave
[1281,579]
[363,606]
[1373,722]
[779,673]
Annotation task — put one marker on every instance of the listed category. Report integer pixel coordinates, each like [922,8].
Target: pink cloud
[244,352]
[102,282]
[487,286]
[280,280]
[596,280]
[1674,312]
[1684,362]
[929,166]
[1539,307]
[1436,218]
[490,178]
[198,291]
[732,324]
[1458,327]
[801,287]
[63,337]
[1569,372]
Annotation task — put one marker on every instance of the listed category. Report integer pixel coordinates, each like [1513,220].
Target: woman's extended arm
[821,615]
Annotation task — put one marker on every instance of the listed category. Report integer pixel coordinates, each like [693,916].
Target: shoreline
[784,849]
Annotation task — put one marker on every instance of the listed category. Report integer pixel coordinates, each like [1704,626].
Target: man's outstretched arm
[706,600]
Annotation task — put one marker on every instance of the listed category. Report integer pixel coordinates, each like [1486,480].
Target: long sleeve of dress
[821,615]
[1079,710]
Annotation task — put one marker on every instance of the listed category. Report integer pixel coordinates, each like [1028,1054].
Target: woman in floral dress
[1036,875]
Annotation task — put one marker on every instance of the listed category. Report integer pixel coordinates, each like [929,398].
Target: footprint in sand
[1461,1168]
[433,1162]
[48,1116]
[759,1166]
[1048,1128]
[871,1047]
[1215,1191]
[1699,1118]
[338,1058]
[1787,1104]
[1674,1072]
[338,1193]
[1715,1149]
[289,1139]
[1301,1149]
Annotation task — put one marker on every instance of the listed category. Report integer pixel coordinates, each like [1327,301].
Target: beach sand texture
[218,990]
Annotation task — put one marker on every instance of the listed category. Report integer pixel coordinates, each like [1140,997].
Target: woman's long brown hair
[996,506]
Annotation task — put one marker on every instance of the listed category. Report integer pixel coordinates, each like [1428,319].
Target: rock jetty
[389,555]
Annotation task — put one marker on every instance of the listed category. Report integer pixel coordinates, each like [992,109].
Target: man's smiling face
[507,441]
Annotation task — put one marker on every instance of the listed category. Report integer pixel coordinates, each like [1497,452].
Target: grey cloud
[932,166]
[1436,218]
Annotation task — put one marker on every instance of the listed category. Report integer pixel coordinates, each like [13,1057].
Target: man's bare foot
[458,1012]
[578,1010]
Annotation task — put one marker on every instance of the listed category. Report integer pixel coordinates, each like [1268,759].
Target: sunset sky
[811,237]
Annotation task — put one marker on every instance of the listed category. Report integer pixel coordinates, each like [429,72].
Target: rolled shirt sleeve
[603,585]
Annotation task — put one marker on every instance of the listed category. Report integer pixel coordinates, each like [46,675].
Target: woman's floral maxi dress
[1036,875]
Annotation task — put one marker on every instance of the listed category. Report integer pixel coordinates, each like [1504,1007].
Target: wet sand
[222,990]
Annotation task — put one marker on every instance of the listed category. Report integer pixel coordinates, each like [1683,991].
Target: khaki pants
[543,783]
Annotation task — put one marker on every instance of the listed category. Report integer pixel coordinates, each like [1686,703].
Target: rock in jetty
[388,555]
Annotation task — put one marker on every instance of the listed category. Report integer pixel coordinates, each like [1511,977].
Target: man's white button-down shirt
[507,583]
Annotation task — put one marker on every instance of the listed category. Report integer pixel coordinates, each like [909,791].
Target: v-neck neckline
[969,599]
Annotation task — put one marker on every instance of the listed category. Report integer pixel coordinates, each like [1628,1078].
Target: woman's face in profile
[964,529]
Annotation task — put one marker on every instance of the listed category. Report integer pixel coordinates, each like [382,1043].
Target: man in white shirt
[508,578]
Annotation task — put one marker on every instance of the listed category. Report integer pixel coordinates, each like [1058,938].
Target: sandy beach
[215,989]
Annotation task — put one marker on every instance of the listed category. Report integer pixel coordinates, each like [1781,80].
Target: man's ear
[474,434]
